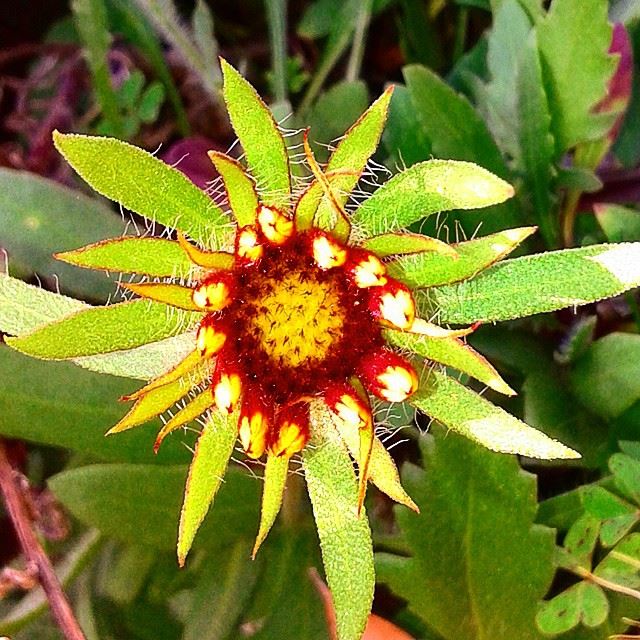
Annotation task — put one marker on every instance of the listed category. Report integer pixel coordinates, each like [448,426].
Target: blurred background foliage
[525,89]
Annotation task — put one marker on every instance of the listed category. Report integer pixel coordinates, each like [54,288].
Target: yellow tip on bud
[249,247]
[292,436]
[275,226]
[398,308]
[369,272]
[353,412]
[252,431]
[212,295]
[327,253]
[226,392]
[397,383]
[209,340]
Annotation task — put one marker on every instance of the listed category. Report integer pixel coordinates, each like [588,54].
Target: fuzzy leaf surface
[275,478]
[140,182]
[460,585]
[345,538]
[427,188]
[540,283]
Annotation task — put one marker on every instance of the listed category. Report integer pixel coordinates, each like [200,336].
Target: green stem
[461,33]
[359,37]
[277,18]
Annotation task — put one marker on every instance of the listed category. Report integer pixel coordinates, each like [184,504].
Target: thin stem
[277,18]
[34,553]
[603,582]
[359,37]
[461,33]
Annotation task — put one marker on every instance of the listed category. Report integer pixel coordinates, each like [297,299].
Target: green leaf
[626,472]
[473,256]
[464,411]
[275,477]
[149,256]
[58,404]
[540,283]
[261,140]
[459,583]
[241,192]
[578,340]
[345,538]
[619,224]
[454,353]
[144,184]
[169,293]
[389,244]
[102,329]
[210,461]
[425,189]
[617,515]
[583,602]
[622,564]
[40,216]
[94,495]
[576,32]
[204,39]
[606,378]
[150,103]
[581,539]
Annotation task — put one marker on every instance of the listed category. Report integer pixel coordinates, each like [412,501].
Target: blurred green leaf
[425,189]
[606,378]
[275,478]
[39,216]
[576,35]
[580,541]
[622,565]
[540,283]
[461,585]
[150,103]
[129,568]
[626,473]
[95,495]
[617,515]
[144,184]
[345,538]
[578,340]
[203,36]
[261,140]
[620,224]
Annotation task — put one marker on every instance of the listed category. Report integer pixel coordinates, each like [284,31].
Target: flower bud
[291,431]
[366,269]
[248,246]
[253,425]
[344,401]
[327,253]
[214,293]
[275,226]
[394,304]
[227,388]
[388,376]
[210,338]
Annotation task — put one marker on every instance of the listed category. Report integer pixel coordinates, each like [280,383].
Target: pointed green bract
[389,244]
[175,295]
[427,188]
[345,539]
[451,352]
[432,269]
[208,467]
[241,193]
[355,149]
[261,140]
[540,283]
[576,30]
[103,329]
[148,256]
[458,408]
[275,478]
[140,182]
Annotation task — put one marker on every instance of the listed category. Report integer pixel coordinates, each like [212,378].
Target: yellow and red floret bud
[211,337]
[275,226]
[393,303]
[388,375]
[365,269]
[214,293]
[291,430]
[226,387]
[345,402]
[327,252]
[249,248]
[253,424]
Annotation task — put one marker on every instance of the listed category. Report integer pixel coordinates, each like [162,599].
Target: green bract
[463,283]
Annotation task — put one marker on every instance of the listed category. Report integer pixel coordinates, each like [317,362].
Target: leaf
[149,256]
[174,295]
[473,256]
[606,378]
[261,140]
[140,182]
[620,224]
[617,515]
[60,405]
[345,538]
[626,471]
[425,189]
[202,27]
[389,244]
[102,329]
[540,283]
[457,582]
[583,602]
[94,495]
[576,32]
[210,461]
[622,564]
[451,352]
[39,216]
[275,477]
[241,193]
[581,540]
[464,411]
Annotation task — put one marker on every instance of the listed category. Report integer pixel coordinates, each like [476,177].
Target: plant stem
[34,553]
[277,17]
[607,584]
[357,48]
